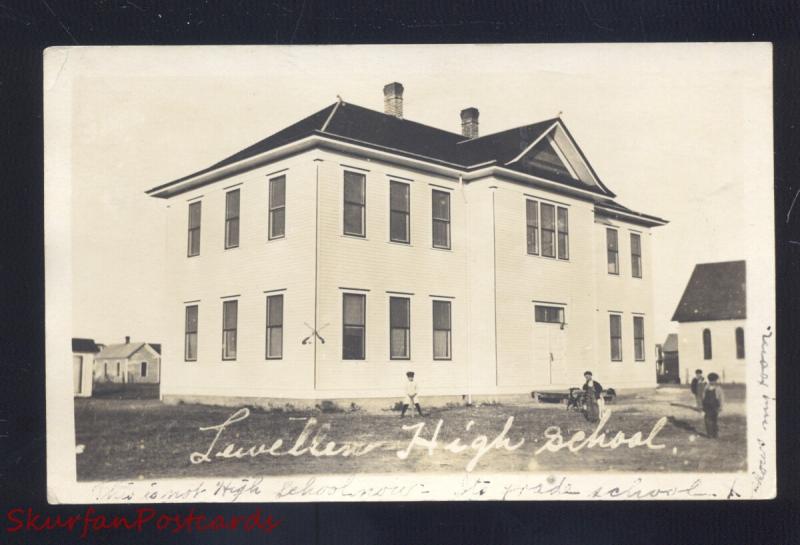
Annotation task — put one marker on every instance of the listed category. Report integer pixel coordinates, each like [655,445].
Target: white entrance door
[77,374]
[549,347]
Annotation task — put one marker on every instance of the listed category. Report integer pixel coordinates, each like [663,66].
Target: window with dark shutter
[612,251]
[232,219]
[399,328]
[636,255]
[274,327]
[548,230]
[638,338]
[442,330]
[706,344]
[277,207]
[615,321]
[355,199]
[441,219]
[194,229]
[230,311]
[353,326]
[532,226]
[190,337]
[399,214]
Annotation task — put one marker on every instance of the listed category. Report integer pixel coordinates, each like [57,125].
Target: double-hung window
[563,233]
[441,219]
[194,229]
[442,330]
[548,230]
[190,335]
[232,219]
[355,200]
[612,251]
[638,338]
[400,328]
[399,214]
[532,226]
[277,207]
[353,326]
[274,327]
[636,255]
[230,311]
[615,321]
[548,315]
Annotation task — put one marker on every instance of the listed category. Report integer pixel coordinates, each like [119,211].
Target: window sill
[399,243]
[276,239]
[442,249]
[548,258]
[354,237]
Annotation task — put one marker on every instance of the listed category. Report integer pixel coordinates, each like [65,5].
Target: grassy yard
[136,438]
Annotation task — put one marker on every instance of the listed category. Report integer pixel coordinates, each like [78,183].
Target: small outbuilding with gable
[128,362]
[712,318]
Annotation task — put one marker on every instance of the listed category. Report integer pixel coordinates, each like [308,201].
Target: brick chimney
[469,122]
[393,99]
[127,339]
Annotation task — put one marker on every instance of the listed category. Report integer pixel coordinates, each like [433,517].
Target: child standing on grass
[412,397]
[713,399]
[698,387]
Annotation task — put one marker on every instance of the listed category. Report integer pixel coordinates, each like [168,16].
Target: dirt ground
[143,438]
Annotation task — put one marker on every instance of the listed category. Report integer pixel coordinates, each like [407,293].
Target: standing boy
[713,399]
[412,397]
[593,393]
[698,388]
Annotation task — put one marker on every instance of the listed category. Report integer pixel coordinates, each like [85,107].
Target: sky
[680,131]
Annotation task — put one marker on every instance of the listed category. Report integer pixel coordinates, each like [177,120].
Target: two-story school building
[328,259]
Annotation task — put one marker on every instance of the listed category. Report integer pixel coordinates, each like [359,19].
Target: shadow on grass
[685,406]
[684,425]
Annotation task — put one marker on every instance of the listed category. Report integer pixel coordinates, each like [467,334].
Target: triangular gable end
[555,151]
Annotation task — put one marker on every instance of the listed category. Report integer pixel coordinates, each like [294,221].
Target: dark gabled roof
[671,344]
[84,345]
[156,347]
[716,291]
[370,128]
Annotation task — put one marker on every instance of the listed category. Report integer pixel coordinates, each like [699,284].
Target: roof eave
[633,217]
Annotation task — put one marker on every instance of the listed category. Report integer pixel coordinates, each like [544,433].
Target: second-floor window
[441,219]
[274,327]
[638,338]
[612,251]
[277,207]
[190,336]
[636,255]
[399,328]
[353,326]
[355,200]
[615,322]
[194,229]
[400,208]
[232,219]
[230,310]
[546,229]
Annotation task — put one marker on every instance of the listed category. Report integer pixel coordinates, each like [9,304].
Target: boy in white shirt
[412,397]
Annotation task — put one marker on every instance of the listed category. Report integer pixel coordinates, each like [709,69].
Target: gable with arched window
[706,344]
[739,343]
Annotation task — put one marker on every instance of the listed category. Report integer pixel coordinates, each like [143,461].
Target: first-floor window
[275,327]
[739,343]
[615,321]
[230,311]
[144,369]
[353,326]
[706,344]
[400,327]
[638,338]
[441,330]
[190,336]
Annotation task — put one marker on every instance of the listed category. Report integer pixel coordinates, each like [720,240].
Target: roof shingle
[716,291]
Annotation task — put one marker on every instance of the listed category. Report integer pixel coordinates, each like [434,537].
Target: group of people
[709,399]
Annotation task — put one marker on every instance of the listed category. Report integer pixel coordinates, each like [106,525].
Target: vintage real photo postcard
[401,273]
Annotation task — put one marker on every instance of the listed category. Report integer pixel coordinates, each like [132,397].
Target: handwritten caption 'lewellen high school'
[312,441]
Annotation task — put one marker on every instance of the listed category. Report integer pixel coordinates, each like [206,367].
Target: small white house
[328,259]
[711,320]
[83,354]
[128,362]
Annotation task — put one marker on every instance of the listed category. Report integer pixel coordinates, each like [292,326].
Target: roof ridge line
[333,112]
[511,129]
